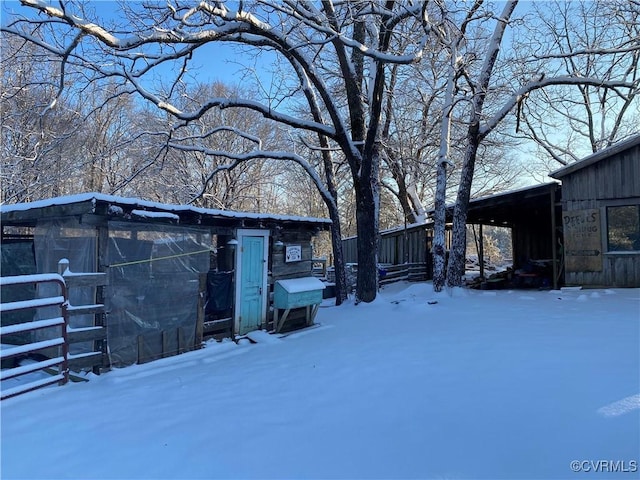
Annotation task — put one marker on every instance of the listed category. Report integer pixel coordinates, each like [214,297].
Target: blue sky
[212,62]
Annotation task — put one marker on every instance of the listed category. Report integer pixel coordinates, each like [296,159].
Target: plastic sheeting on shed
[152,296]
[53,241]
[151,300]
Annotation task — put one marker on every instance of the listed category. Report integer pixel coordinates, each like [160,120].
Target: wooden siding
[609,182]
[619,270]
[350,249]
[398,247]
[610,179]
[281,270]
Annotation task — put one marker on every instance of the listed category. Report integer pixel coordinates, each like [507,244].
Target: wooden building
[174,273]
[532,214]
[601,217]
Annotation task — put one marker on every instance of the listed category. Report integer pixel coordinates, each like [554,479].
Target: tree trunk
[367,211]
[439,248]
[338,256]
[367,286]
[457,256]
[440,205]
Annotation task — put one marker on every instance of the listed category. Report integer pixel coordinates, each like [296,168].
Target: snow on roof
[529,188]
[136,202]
[147,214]
[429,221]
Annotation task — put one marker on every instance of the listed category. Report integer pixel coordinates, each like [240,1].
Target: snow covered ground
[507,384]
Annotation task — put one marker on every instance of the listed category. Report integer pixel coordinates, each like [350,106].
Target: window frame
[635,244]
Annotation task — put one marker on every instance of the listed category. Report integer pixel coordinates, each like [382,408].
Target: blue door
[251,283]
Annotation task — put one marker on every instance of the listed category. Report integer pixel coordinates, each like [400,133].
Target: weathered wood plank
[202,294]
[182,342]
[293,269]
[85,309]
[165,344]
[217,325]
[85,360]
[85,279]
[290,319]
[88,334]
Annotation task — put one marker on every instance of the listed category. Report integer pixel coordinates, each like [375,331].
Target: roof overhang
[510,208]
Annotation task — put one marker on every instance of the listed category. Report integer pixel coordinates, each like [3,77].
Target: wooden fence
[411,272]
[404,253]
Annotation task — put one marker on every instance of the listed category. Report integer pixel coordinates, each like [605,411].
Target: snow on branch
[543,82]
[237,159]
[213,131]
[308,14]
[157,36]
[88,27]
[633,47]
[234,23]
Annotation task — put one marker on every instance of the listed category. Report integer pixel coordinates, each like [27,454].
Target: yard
[479,384]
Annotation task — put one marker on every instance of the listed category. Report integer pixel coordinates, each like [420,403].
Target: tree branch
[511,102]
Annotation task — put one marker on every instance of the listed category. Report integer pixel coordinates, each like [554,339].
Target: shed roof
[596,157]
[143,210]
[511,207]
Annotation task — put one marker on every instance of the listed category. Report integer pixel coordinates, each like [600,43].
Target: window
[623,228]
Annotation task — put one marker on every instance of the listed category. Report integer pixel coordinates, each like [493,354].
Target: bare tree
[327,47]
[486,91]
[339,60]
[33,138]
[592,117]
[59,135]
[192,171]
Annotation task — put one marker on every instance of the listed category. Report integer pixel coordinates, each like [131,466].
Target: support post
[481,252]
[554,252]
[202,301]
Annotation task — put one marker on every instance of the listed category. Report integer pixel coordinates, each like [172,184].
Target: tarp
[153,292]
[152,297]
[53,241]
[219,292]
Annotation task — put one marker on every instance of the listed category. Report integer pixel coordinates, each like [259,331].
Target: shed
[601,217]
[175,273]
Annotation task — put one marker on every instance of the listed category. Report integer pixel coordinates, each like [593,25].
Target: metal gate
[58,342]
[54,350]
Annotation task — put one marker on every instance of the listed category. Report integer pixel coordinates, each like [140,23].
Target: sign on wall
[293,253]
[583,240]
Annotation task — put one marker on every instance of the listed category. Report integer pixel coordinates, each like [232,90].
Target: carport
[532,214]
